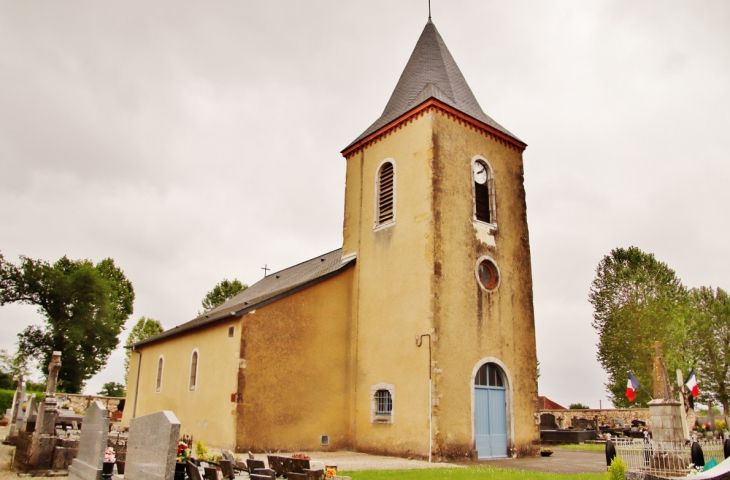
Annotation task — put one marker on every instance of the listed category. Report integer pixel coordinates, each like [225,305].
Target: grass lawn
[591,447]
[475,473]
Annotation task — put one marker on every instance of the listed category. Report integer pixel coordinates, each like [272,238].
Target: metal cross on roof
[265,268]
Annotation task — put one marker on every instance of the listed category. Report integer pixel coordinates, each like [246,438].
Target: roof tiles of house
[431,72]
[544,403]
[269,289]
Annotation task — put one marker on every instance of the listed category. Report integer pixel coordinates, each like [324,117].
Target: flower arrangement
[109,455]
[330,472]
[300,455]
[183,452]
[201,451]
[721,426]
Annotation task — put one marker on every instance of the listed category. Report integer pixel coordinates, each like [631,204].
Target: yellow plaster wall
[470,323]
[391,304]
[206,413]
[295,384]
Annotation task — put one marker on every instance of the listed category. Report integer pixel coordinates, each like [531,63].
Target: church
[415,338]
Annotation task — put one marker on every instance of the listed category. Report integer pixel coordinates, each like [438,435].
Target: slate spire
[431,72]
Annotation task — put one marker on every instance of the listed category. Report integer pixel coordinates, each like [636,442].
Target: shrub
[721,426]
[617,470]
[578,406]
[201,451]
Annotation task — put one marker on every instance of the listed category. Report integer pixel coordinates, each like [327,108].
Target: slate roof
[271,288]
[431,72]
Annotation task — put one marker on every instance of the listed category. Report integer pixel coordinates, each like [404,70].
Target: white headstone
[152,447]
[94,431]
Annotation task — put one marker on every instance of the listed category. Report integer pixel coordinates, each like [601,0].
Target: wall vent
[324,440]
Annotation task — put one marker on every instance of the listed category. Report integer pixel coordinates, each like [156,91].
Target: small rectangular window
[384,403]
[231,330]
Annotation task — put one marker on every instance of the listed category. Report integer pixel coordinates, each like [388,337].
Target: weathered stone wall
[605,415]
[79,403]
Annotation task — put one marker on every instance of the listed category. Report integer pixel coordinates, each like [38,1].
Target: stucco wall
[392,293]
[472,325]
[207,412]
[294,381]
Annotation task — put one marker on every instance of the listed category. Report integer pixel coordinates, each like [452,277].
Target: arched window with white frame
[158,382]
[485,207]
[194,369]
[385,193]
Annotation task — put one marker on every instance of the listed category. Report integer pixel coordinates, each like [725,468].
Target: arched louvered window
[484,199]
[385,193]
[158,383]
[194,370]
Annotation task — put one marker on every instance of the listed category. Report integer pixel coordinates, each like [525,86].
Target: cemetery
[654,443]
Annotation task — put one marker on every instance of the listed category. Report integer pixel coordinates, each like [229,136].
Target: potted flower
[545,452]
[109,460]
[183,455]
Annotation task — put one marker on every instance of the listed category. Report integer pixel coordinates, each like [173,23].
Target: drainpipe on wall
[419,342]
[136,387]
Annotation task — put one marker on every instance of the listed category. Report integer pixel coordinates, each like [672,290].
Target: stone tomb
[152,447]
[94,431]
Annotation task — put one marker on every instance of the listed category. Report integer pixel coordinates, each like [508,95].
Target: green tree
[144,328]
[578,406]
[636,301]
[709,343]
[84,307]
[112,389]
[223,291]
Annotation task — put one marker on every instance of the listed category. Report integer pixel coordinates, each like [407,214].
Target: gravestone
[47,415]
[665,411]
[16,421]
[619,422]
[31,414]
[581,423]
[547,422]
[94,432]
[152,447]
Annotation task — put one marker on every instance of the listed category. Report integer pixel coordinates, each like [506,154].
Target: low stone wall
[564,418]
[79,403]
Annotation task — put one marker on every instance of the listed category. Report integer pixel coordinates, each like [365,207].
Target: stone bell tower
[435,213]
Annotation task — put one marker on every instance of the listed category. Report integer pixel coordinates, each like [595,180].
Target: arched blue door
[490,415]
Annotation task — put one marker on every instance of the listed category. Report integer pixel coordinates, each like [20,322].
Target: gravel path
[353,461]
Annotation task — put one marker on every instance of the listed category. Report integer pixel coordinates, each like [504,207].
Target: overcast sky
[195,141]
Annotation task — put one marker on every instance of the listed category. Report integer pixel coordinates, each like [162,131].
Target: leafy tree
[636,301]
[709,343]
[84,307]
[145,328]
[225,290]
[112,389]
[11,367]
[578,406]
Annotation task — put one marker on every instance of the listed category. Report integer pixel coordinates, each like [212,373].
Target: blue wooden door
[490,416]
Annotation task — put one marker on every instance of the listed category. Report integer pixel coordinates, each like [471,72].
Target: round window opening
[488,274]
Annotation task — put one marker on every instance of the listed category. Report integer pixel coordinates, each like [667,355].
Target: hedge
[6,398]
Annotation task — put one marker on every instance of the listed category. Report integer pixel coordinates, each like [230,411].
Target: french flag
[631,386]
[691,383]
